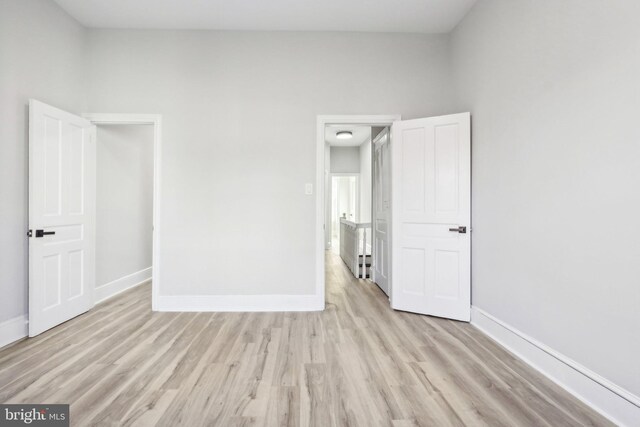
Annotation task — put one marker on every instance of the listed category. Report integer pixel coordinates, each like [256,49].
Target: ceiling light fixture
[344,134]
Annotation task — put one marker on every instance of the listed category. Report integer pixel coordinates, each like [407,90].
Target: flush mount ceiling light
[344,134]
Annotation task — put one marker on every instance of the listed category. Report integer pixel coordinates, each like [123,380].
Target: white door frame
[156,121]
[321,123]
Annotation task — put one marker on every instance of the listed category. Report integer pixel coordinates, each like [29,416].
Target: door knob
[461,229]
[42,233]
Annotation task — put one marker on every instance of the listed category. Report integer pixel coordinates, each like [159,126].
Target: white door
[62,182]
[381,209]
[431,212]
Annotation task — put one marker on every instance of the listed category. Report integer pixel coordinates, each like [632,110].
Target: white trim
[115,287]
[612,401]
[14,329]
[345,174]
[156,121]
[123,119]
[321,122]
[239,303]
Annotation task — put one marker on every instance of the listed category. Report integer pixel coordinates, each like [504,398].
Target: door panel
[62,202]
[381,210]
[432,196]
[414,193]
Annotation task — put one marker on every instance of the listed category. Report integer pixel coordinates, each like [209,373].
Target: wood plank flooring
[358,363]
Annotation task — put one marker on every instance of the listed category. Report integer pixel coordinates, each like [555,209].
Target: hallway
[358,363]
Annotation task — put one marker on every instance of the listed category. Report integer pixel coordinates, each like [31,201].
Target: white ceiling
[360,135]
[400,16]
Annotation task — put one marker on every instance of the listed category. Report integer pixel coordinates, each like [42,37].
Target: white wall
[327,196]
[41,56]
[554,92]
[233,193]
[345,159]
[124,205]
[365,181]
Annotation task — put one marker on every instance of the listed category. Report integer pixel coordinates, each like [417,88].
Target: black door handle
[42,233]
[461,230]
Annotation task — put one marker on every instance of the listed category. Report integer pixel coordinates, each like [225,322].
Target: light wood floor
[358,363]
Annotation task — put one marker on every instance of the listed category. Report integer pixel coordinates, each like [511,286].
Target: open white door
[431,212]
[62,183]
[381,209]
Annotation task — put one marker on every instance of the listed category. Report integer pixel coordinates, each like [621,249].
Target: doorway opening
[126,137]
[346,175]
[356,189]
[415,243]
[124,208]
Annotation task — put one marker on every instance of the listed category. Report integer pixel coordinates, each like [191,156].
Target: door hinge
[30,233]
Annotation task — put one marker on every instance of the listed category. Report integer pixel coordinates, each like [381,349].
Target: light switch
[308,189]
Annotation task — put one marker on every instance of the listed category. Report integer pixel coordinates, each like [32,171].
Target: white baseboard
[13,329]
[615,403]
[129,281]
[228,303]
